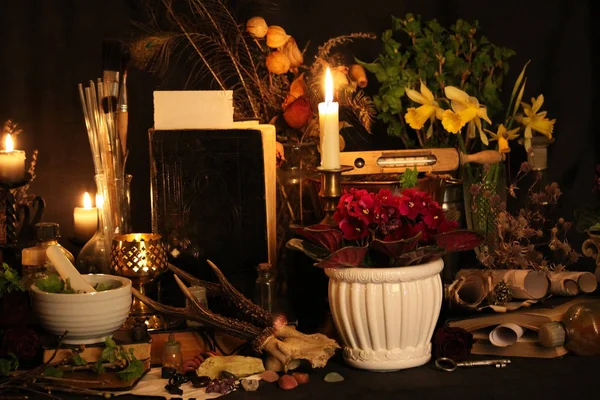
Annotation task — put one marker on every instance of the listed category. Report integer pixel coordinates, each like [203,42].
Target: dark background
[48,46]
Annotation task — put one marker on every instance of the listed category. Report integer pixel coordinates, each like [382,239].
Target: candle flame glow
[328,86]
[87,200]
[8,143]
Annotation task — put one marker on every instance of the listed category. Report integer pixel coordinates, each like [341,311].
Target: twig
[56,379]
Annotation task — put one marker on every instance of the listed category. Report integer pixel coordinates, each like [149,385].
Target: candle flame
[99,201]
[8,143]
[328,86]
[87,200]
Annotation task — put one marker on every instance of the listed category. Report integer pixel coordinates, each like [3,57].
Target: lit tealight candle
[329,127]
[85,220]
[12,162]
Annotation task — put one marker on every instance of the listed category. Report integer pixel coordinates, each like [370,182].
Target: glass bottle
[93,257]
[47,234]
[171,354]
[200,293]
[578,330]
[265,293]
[33,265]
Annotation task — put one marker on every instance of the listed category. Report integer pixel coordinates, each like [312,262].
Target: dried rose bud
[257,27]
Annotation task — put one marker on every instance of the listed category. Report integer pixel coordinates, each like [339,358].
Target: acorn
[293,52]
[276,37]
[357,73]
[278,63]
[298,113]
[257,27]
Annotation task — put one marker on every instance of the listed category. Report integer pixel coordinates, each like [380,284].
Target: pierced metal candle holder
[331,190]
[141,257]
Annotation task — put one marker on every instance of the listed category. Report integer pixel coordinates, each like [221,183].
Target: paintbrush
[122,112]
[112,53]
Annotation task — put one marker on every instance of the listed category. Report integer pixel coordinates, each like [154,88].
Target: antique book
[526,346]
[530,318]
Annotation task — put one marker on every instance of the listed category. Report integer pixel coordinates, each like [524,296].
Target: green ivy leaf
[78,360]
[53,372]
[8,364]
[409,179]
[98,367]
[134,370]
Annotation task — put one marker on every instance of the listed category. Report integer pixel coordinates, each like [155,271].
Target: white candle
[329,127]
[12,163]
[85,220]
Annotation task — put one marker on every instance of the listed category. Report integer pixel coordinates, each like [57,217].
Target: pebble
[333,377]
[250,385]
[270,376]
[300,377]
[200,381]
[287,382]
[228,375]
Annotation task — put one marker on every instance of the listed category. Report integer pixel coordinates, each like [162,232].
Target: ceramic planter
[386,316]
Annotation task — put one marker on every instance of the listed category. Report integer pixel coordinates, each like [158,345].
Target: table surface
[570,377]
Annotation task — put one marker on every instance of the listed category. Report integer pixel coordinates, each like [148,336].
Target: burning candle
[85,220]
[329,127]
[12,162]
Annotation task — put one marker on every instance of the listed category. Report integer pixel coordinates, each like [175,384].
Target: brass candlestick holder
[141,257]
[331,190]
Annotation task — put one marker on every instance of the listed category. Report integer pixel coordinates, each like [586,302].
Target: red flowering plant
[383,230]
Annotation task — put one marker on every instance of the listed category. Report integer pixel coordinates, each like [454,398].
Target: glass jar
[171,354]
[33,265]
[47,234]
[578,330]
[265,290]
[199,293]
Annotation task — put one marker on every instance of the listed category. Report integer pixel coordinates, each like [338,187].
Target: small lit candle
[85,220]
[329,127]
[12,162]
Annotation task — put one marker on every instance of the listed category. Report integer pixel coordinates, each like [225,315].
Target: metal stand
[331,191]
[9,217]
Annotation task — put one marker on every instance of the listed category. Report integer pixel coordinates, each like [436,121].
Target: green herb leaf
[410,178]
[8,364]
[50,284]
[101,286]
[134,370]
[99,367]
[9,280]
[53,372]
[78,360]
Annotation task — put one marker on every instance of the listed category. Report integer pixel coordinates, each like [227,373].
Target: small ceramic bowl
[89,317]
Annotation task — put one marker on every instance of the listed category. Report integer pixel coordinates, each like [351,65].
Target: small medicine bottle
[171,354]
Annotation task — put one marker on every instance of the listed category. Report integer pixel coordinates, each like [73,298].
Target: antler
[280,341]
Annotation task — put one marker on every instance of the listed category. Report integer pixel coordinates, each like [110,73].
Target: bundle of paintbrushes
[105,112]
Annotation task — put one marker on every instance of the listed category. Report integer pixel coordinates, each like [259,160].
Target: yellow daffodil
[465,110]
[503,136]
[429,109]
[534,120]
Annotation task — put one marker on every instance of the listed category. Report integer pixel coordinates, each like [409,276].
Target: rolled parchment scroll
[505,335]
[568,283]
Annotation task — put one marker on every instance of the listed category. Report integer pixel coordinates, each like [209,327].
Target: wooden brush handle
[483,157]
[122,121]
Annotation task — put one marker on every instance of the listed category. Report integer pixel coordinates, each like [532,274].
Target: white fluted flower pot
[386,316]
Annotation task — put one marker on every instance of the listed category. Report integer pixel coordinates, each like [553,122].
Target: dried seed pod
[257,27]
[278,63]
[357,73]
[276,37]
[291,50]
[340,79]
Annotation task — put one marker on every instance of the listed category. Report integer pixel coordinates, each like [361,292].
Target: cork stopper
[552,334]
